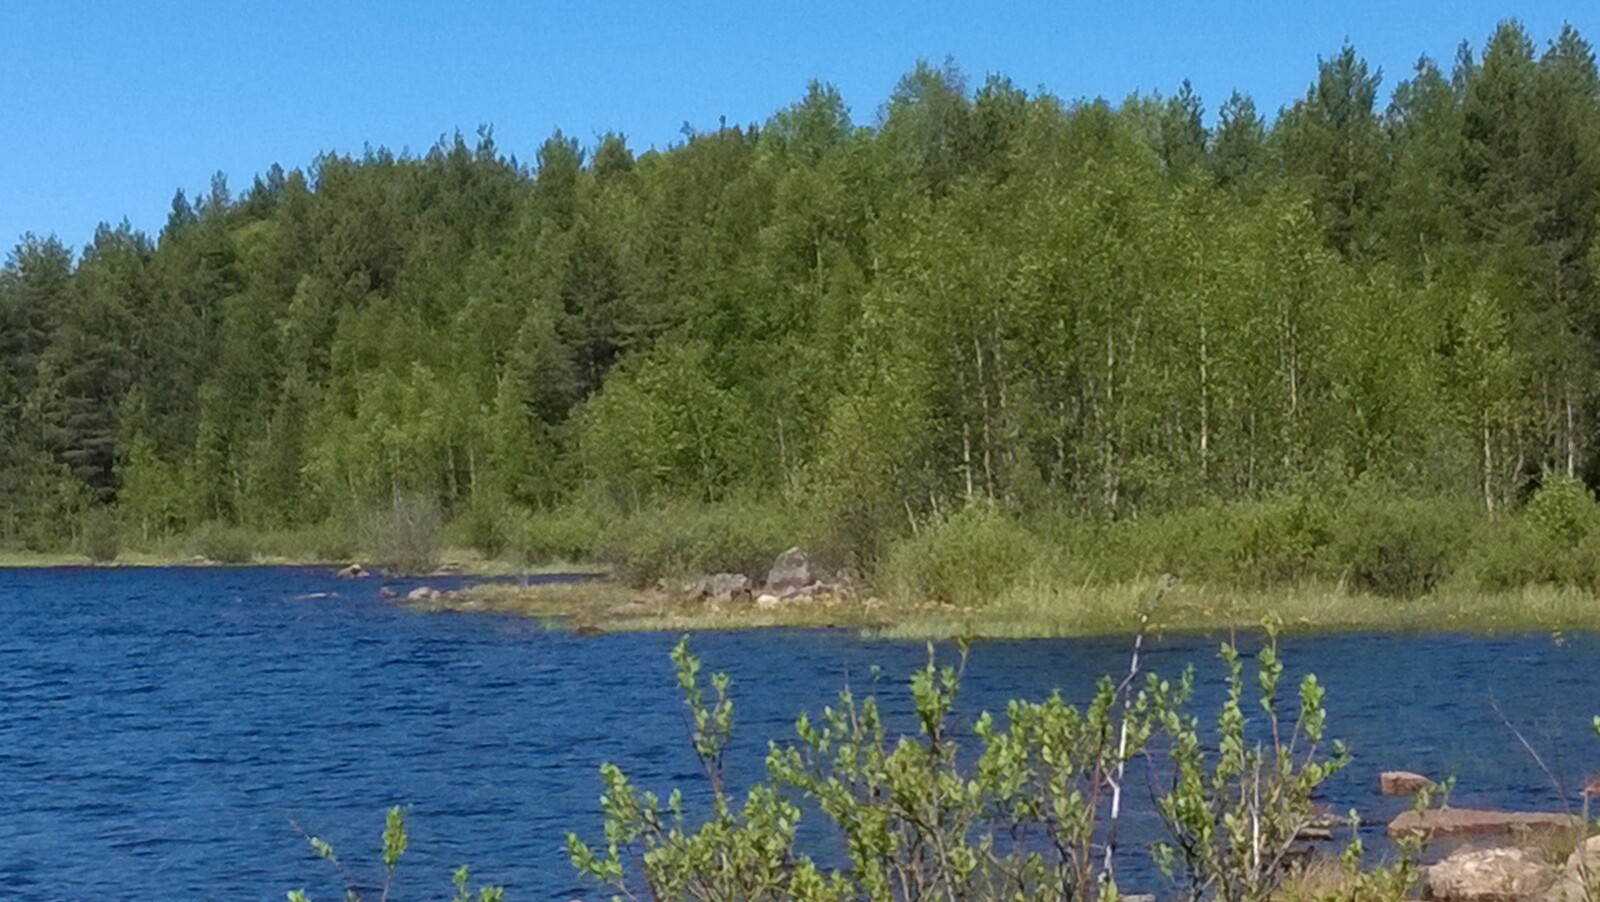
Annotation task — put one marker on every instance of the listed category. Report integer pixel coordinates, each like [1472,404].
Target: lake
[163,729]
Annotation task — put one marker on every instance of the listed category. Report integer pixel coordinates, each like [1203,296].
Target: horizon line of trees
[985,294]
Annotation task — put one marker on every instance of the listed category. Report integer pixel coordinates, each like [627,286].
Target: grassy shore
[1048,611]
[1027,610]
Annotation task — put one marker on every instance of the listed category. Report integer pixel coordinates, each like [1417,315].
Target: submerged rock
[422,593]
[1401,783]
[1489,875]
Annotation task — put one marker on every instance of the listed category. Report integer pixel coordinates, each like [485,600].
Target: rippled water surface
[160,729]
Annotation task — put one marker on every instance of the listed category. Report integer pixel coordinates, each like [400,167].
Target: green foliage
[327,542]
[101,541]
[682,539]
[1234,815]
[564,535]
[968,559]
[405,536]
[487,525]
[1563,511]
[1023,818]
[1090,312]
[225,544]
[1270,541]
[394,843]
[1396,546]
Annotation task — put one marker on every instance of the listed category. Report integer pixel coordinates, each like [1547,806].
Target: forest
[975,310]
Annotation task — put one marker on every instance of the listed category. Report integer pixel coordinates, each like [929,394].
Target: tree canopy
[976,293]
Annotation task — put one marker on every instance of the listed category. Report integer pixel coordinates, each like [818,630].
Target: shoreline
[452,563]
[603,605]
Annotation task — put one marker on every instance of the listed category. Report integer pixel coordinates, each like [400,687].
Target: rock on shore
[1473,822]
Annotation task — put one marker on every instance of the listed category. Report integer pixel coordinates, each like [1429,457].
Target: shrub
[1563,511]
[1512,553]
[968,559]
[101,541]
[1235,816]
[687,539]
[487,525]
[406,536]
[394,842]
[322,542]
[224,544]
[1397,547]
[1555,539]
[1030,813]
[565,535]
[1249,543]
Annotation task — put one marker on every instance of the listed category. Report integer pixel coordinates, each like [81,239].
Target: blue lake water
[162,729]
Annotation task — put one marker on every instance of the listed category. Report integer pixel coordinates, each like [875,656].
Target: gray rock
[1489,875]
[1442,822]
[719,587]
[1580,880]
[791,570]
[1402,783]
[354,571]
[422,593]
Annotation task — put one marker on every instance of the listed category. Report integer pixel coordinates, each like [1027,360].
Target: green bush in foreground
[395,841]
[1028,819]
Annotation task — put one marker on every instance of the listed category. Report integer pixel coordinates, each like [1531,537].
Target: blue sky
[107,107]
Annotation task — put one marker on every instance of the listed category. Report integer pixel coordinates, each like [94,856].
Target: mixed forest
[978,310]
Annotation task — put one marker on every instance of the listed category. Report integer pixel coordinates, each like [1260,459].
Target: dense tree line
[984,294]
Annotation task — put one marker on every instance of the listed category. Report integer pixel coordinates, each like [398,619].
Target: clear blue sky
[107,107]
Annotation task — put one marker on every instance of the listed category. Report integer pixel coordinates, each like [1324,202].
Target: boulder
[791,570]
[354,571]
[767,601]
[801,593]
[1402,783]
[719,587]
[422,593]
[1585,857]
[1473,822]
[1580,879]
[387,592]
[1489,875]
